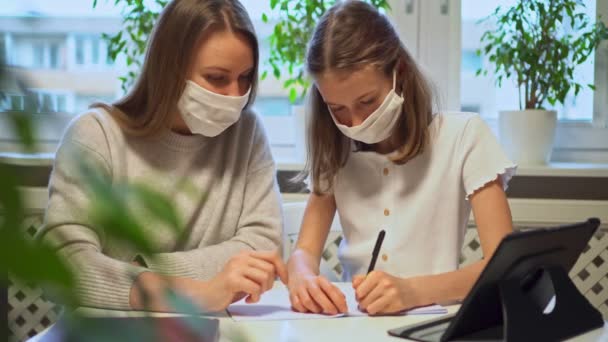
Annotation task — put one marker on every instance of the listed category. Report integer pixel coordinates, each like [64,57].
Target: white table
[353,329]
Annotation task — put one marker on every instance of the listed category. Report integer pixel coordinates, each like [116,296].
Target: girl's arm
[382,293]
[310,292]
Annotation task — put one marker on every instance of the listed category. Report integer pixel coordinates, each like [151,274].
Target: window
[95,56]
[37,51]
[61,60]
[446,39]
[48,101]
[38,55]
[79,50]
[12,103]
[441,34]
[54,56]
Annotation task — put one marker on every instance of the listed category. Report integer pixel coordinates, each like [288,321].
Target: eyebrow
[217,68]
[358,98]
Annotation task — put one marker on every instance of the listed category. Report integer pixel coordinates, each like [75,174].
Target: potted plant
[539,43]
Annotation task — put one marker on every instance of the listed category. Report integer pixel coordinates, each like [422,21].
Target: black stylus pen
[376,251]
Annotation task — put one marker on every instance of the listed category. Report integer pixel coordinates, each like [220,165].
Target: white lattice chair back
[29,311]
[330,264]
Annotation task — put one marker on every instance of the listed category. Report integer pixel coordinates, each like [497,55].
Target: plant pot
[527,136]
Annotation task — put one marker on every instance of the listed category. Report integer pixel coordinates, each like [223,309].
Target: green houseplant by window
[293,22]
[539,44]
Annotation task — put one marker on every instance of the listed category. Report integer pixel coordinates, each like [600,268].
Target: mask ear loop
[395,83]
[395,79]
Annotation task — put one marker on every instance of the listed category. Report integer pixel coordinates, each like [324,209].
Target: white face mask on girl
[208,113]
[379,125]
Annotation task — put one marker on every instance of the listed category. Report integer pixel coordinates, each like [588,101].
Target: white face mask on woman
[208,113]
[379,125]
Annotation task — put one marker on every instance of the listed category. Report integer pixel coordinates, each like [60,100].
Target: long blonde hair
[150,104]
[350,36]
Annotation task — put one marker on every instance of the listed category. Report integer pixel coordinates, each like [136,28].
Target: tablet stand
[524,320]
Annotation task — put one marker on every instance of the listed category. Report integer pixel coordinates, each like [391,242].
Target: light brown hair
[172,47]
[352,35]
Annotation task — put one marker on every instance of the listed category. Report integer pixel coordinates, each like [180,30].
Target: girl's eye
[368,102]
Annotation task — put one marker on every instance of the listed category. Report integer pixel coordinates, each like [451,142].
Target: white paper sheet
[275,305]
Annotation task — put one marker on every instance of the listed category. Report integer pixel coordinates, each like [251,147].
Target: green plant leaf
[293,95]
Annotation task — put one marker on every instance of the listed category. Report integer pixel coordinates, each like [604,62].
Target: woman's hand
[382,293]
[247,274]
[309,292]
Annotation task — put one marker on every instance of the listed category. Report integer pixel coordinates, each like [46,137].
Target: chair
[27,312]
[3,312]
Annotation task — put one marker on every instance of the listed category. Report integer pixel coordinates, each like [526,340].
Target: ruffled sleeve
[483,158]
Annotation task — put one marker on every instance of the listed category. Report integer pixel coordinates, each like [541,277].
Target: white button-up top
[423,205]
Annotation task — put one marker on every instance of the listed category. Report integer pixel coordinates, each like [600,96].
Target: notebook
[275,305]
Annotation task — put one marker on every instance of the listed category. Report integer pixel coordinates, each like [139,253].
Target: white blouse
[423,205]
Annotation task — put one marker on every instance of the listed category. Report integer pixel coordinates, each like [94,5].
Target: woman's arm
[247,274]
[383,293]
[259,220]
[310,292]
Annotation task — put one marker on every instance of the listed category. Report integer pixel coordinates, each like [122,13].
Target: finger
[357,280]
[296,305]
[279,266]
[260,277]
[367,285]
[251,288]
[371,297]
[334,294]
[267,268]
[308,302]
[321,298]
[381,306]
[262,264]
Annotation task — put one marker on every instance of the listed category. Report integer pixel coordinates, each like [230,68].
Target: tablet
[519,256]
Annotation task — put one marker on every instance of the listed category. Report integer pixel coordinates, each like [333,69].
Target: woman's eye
[367,102]
[247,77]
[215,78]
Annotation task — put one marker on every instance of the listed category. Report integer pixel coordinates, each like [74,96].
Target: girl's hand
[312,293]
[382,293]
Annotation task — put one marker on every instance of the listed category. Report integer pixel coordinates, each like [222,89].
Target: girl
[379,156]
[186,119]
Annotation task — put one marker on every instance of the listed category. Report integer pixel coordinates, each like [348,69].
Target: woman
[379,156]
[186,121]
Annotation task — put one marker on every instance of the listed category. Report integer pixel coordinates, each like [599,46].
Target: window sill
[594,170]
[565,170]
[27,159]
